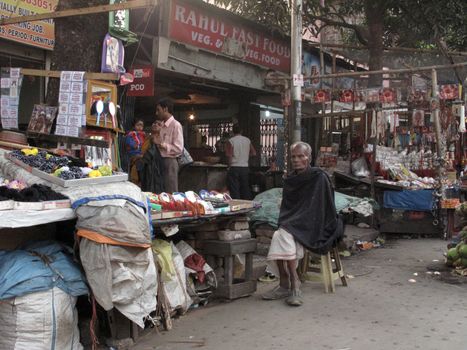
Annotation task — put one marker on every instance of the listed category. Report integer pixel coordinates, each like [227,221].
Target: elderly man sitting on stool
[307,219]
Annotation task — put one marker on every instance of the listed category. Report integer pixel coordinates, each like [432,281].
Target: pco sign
[143,83]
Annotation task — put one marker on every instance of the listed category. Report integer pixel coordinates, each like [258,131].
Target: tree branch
[359,31]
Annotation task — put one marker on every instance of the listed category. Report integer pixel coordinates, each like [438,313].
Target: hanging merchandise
[71,111]
[448,92]
[381,123]
[322,96]
[347,96]
[113,55]
[417,97]
[387,95]
[461,112]
[418,117]
[370,95]
[10,80]
[119,24]
[373,123]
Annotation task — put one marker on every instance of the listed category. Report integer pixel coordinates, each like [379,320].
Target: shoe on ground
[295,298]
[276,293]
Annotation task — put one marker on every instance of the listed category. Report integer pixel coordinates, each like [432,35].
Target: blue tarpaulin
[37,267]
[419,200]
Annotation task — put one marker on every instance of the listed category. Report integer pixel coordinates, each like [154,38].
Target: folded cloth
[163,252]
[196,262]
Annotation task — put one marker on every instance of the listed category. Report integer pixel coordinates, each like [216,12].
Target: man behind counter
[170,143]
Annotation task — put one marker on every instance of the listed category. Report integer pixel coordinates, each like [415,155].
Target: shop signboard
[39,33]
[143,83]
[201,28]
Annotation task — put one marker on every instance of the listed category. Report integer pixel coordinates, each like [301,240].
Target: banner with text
[39,33]
[198,27]
[143,83]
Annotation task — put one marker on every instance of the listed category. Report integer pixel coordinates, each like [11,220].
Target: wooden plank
[56,74]
[69,140]
[79,11]
[228,270]
[249,267]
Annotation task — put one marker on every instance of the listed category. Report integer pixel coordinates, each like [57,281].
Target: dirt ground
[379,310]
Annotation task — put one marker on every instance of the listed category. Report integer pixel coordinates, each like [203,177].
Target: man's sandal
[276,293]
[295,298]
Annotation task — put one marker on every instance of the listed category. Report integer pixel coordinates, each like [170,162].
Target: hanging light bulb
[192,116]
[267,113]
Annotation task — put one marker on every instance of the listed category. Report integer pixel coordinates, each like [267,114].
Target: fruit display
[457,256]
[63,167]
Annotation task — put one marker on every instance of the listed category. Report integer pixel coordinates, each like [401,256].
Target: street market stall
[113,223]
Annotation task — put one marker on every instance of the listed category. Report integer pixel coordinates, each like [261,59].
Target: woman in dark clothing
[151,164]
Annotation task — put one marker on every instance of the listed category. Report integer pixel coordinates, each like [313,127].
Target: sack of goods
[39,286]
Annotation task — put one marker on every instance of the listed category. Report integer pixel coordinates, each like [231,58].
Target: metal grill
[214,130]
[268,133]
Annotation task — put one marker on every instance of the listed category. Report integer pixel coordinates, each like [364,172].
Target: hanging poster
[10,88]
[448,92]
[347,96]
[71,99]
[387,95]
[418,117]
[370,95]
[42,119]
[322,96]
[310,69]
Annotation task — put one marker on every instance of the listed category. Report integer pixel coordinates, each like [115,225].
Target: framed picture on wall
[42,119]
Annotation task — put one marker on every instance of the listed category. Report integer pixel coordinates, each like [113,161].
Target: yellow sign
[39,33]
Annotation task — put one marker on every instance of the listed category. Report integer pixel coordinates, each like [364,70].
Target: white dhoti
[283,247]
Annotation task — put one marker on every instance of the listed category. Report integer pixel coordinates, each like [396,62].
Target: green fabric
[271,201]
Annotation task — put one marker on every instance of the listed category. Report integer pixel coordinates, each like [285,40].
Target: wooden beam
[56,74]
[79,11]
[389,71]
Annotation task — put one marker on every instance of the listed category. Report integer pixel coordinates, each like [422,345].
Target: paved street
[379,310]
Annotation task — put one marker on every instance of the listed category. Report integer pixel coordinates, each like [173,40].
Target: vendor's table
[26,218]
[198,220]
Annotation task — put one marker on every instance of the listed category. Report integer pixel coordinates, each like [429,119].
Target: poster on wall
[42,119]
[71,110]
[10,88]
[310,69]
[38,33]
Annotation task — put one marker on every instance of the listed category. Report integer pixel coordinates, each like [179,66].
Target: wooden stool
[230,288]
[327,271]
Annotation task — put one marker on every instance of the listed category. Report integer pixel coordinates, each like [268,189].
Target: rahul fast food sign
[197,27]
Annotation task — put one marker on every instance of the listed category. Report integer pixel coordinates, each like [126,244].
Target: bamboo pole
[79,11]
[440,151]
[390,71]
[400,49]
